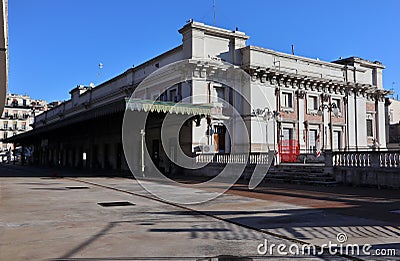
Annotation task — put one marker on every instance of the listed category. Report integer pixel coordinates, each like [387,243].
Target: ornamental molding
[301,94]
[168,107]
[306,82]
[325,97]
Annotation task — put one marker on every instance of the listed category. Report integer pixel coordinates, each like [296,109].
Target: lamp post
[267,115]
[331,108]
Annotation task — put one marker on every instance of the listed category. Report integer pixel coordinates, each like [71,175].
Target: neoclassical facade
[290,104]
[341,102]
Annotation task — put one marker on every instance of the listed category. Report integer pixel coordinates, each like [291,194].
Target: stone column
[301,113]
[380,124]
[351,122]
[326,129]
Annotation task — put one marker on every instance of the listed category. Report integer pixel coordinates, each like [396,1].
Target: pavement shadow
[302,224]
[11,170]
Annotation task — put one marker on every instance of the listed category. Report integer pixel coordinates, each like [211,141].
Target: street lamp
[267,115]
[332,108]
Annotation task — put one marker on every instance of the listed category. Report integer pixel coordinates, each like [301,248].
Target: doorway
[219,138]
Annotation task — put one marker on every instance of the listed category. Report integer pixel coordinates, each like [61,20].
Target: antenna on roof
[214,13]
[293,49]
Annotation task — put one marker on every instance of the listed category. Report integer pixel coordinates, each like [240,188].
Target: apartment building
[18,117]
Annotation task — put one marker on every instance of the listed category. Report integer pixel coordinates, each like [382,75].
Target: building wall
[354,83]
[3,53]
[393,123]
[17,117]
[351,81]
[394,111]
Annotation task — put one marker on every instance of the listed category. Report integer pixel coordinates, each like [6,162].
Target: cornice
[306,82]
[293,57]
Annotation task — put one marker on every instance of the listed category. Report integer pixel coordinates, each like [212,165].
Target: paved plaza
[47,215]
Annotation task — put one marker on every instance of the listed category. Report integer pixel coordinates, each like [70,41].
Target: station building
[308,106]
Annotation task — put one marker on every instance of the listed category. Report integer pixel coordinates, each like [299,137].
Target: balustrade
[360,159]
[242,158]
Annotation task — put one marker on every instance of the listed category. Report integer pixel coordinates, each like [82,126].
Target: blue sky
[56,45]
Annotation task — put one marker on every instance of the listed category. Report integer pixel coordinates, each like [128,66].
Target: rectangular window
[336,101]
[370,132]
[336,140]
[172,95]
[5,134]
[287,134]
[14,125]
[312,103]
[287,100]
[24,126]
[312,140]
[220,93]
[5,113]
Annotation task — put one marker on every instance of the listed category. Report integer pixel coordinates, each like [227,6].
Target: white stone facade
[394,111]
[341,102]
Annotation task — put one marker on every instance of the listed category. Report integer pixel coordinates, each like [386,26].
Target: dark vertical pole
[22,155]
[215,23]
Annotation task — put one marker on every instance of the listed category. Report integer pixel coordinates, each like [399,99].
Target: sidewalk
[47,218]
[309,213]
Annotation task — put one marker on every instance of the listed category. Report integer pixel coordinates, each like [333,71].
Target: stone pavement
[44,218]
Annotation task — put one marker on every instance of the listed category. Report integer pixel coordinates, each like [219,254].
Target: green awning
[168,107]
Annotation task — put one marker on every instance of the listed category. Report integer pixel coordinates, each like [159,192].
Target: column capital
[300,94]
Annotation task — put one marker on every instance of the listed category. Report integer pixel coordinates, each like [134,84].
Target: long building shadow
[301,224]
[17,170]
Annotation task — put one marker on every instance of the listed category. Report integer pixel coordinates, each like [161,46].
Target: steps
[311,174]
